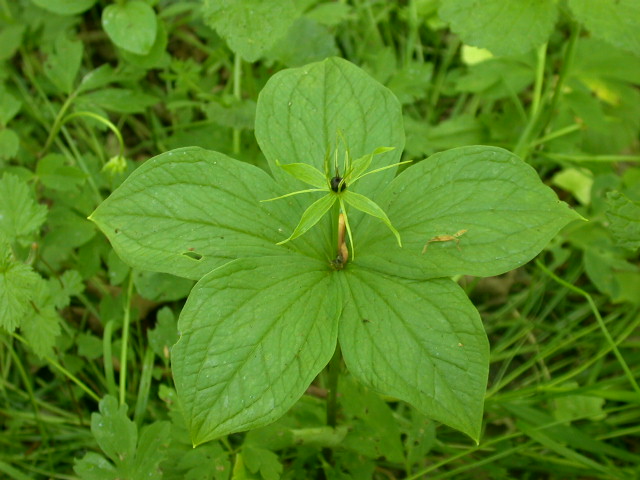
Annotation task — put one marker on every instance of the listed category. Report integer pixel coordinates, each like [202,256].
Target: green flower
[339,189]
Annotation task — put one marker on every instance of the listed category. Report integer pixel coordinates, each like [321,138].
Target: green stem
[332,387]
[107,356]
[125,340]
[237,93]
[603,327]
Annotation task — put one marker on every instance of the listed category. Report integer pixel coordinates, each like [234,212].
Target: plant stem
[125,340]
[332,387]
[237,93]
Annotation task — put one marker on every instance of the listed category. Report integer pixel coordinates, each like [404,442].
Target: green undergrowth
[441,198]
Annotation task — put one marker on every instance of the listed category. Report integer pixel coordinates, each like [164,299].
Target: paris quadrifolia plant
[278,296]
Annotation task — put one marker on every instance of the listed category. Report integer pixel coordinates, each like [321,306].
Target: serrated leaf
[150,452]
[188,211]
[115,433]
[624,215]
[94,466]
[421,342]
[506,27]
[65,7]
[63,63]
[250,27]
[614,21]
[254,333]
[496,204]
[20,215]
[17,282]
[320,100]
[41,326]
[131,26]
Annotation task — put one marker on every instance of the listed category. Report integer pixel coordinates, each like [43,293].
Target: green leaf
[9,104]
[17,282]
[250,27]
[10,39]
[624,215]
[165,333]
[301,110]
[131,26]
[421,342]
[188,211]
[362,203]
[508,214]
[254,334]
[20,216]
[614,21]
[262,461]
[55,174]
[116,435]
[505,27]
[63,63]
[161,287]
[94,466]
[157,56]
[306,41]
[150,451]
[41,325]
[9,144]
[119,100]
[65,7]
[305,173]
[312,215]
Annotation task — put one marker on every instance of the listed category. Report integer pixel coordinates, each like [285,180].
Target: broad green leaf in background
[189,211]
[422,342]
[506,27]
[508,215]
[20,215]
[250,27]
[54,173]
[63,63]
[301,110]
[65,7]
[131,25]
[614,21]
[624,215]
[255,333]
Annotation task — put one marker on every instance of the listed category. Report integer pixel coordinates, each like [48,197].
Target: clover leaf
[269,310]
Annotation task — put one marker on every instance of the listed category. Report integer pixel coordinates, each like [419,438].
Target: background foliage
[90,89]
